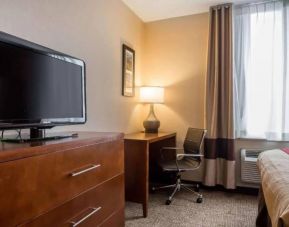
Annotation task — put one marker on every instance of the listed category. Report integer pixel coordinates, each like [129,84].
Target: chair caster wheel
[168,202]
[199,200]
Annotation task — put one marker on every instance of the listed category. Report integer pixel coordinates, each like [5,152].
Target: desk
[141,151]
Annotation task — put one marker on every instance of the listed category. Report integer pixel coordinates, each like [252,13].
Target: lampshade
[152,94]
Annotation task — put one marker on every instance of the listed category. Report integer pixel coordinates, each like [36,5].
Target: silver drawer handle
[76,223]
[74,174]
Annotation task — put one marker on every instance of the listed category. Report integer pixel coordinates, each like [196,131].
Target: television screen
[39,87]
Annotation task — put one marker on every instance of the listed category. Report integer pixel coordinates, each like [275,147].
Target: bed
[273,207]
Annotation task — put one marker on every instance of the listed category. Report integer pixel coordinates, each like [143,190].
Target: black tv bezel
[49,122]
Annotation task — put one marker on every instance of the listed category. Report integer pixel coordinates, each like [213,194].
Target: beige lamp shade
[152,94]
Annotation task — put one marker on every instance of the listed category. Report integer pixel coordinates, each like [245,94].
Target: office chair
[189,160]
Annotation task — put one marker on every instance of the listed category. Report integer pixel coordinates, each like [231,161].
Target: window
[260,71]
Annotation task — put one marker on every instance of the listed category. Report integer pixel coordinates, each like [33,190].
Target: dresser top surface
[13,151]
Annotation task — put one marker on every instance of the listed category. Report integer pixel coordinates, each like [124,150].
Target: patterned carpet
[218,209]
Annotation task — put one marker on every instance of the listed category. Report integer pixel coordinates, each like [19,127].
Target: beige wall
[170,53]
[91,30]
[176,58]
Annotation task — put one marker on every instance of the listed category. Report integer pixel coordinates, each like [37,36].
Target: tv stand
[37,134]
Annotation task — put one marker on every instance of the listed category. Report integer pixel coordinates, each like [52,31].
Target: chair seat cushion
[184,165]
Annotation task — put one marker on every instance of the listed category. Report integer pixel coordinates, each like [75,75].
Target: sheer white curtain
[260,70]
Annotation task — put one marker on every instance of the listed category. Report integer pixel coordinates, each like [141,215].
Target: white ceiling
[151,10]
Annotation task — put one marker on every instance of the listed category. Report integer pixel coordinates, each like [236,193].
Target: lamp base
[151,124]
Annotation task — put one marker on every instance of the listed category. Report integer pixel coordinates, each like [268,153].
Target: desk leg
[137,172]
[145,209]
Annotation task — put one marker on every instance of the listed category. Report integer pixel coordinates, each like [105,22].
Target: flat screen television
[39,87]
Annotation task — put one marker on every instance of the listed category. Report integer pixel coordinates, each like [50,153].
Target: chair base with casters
[189,160]
[193,188]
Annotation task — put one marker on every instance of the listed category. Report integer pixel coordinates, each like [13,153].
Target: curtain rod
[260,2]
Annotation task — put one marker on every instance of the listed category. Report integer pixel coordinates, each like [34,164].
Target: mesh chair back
[194,140]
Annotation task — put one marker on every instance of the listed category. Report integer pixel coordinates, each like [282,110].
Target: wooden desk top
[149,137]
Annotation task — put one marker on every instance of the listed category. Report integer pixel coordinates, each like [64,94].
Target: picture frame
[128,71]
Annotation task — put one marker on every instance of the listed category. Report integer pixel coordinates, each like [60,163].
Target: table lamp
[151,95]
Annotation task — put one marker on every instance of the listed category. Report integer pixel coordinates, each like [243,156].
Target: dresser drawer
[89,209]
[31,186]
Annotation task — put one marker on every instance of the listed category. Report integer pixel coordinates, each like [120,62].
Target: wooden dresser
[68,182]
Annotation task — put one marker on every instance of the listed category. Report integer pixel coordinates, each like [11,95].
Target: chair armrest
[179,157]
[172,148]
[189,155]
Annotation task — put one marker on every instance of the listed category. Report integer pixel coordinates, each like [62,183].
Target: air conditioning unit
[249,169]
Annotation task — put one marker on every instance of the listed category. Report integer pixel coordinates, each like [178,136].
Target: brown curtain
[219,144]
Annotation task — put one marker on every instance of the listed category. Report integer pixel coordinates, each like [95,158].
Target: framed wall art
[128,71]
